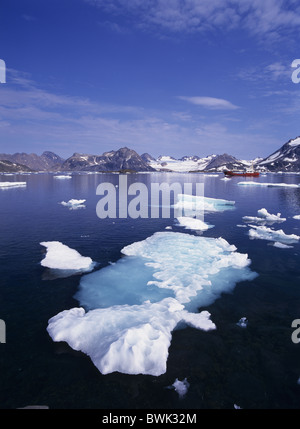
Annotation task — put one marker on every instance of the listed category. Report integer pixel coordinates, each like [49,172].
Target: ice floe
[193,223]
[282,245]
[192,204]
[12,184]
[61,176]
[274,184]
[74,204]
[264,233]
[61,257]
[296,217]
[264,217]
[124,323]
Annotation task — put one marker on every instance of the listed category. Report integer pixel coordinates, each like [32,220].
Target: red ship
[241,173]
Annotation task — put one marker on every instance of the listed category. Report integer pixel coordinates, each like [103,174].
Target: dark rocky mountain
[12,167]
[224,160]
[147,157]
[122,159]
[44,162]
[287,158]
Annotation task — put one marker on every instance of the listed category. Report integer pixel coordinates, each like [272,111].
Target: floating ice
[285,185]
[281,245]
[181,387]
[12,184]
[264,217]
[243,322]
[132,307]
[194,224]
[61,257]
[74,204]
[264,233]
[192,204]
[61,176]
[296,217]
[226,178]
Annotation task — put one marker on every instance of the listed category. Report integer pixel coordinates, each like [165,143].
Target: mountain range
[285,159]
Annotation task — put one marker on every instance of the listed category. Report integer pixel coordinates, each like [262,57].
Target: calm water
[256,367]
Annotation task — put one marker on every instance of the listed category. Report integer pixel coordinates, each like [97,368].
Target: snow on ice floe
[193,223]
[74,204]
[4,185]
[192,204]
[134,338]
[264,217]
[270,185]
[264,233]
[61,257]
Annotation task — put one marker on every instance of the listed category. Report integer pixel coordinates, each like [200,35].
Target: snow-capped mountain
[287,158]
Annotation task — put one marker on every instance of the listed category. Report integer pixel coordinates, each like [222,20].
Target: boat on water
[241,173]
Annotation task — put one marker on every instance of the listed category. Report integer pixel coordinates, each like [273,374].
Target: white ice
[281,245]
[74,204]
[193,223]
[128,310]
[285,185]
[181,387]
[264,217]
[12,184]
[243,322]
[61,257]
[296,217]
[191,204]
[62,177]
[264,233]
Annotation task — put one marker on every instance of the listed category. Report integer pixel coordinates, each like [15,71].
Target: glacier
[125,322]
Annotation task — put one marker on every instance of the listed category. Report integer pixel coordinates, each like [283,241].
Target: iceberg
[61,257]
[194,224]
[4,185]
[264,217]
[74,204]
[264,233]
[128,310]
[274,184]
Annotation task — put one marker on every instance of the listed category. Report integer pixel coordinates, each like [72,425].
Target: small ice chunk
[74,204]
[281,245]
[195,203]
[243,322]
[59,256]
[296,217]
[193,223]
[12,184]
[61,176]
[181,387]
[237,407]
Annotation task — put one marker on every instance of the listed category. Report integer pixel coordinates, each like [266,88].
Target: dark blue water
[256,367]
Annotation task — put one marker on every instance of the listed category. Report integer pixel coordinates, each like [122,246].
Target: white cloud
[210,102]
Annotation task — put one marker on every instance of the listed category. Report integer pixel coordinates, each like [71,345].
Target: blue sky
[176,77]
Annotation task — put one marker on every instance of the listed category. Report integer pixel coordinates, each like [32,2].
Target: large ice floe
[61,257]
[74,204]
[193,204]
[264,217]
[129,309]
[264,233]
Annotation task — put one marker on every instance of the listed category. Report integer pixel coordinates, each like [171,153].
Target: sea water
[163,288]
